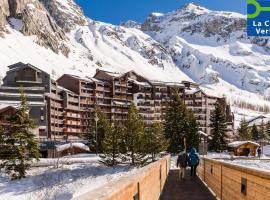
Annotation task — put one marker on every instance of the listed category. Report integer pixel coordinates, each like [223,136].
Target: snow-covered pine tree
[243,131]
[112,143]
[192,136]
[254,132]
[134,137]
[156,141]
[21,142]
[175,120]
[218,129]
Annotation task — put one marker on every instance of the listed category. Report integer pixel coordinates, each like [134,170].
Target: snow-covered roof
[17,103]
[18,95]
[258,120]
[145,84]
[120,103]
[202,133]
[5,106]
[192,90]
[239,143]
[78,145]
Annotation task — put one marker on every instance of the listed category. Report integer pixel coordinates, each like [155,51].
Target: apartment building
[203,104]
[62,108]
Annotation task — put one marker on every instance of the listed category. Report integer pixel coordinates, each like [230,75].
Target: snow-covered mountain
[191,43]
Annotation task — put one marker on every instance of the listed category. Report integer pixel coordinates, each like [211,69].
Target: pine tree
[20,142]
[175,128]
[218,129]
[262,131]
[134,144]
[112,143]
[192,136]
[267,131]
[254,132]
[243,131]
[155,140]
[96,140]
[4,149]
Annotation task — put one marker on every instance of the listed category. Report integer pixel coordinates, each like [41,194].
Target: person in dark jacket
[194,161]
[182,162]
[259,151]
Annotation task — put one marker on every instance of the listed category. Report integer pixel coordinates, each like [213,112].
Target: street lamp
[96,120]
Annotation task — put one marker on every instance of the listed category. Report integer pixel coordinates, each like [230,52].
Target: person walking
[194,161]
[259,151]
[182,162]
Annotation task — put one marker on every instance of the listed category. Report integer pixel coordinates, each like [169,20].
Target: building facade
[62,108]
[203,104]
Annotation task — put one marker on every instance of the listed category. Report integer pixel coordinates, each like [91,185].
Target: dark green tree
[267,130]
[96,140]
[262,131]
[218,129]
[175,120]
[20,142]
[192,136]
[156,141]
[134,137]
[4,146]
[243,131]
[112,143]
[254,132]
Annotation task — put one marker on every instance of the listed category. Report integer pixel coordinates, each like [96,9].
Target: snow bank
[66,182]
[78,145]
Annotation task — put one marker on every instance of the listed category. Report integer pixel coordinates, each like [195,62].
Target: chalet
[5,112]
[243,148]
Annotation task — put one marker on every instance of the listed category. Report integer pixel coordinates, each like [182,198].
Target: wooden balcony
[56,129]
[72,130]
[72,122]
[72,115]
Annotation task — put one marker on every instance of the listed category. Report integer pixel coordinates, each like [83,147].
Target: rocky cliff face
[4,12]
[67,15]
[31,18]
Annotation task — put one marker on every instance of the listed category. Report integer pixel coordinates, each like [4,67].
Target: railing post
[204,169]
[221,182]
[160,179]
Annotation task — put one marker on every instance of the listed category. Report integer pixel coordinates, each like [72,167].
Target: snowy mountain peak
[193,7]
[191,43]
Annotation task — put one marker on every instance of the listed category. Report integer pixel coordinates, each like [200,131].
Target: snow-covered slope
[191,43]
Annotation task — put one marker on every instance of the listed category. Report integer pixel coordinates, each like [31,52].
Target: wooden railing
[144,184]
[229,181]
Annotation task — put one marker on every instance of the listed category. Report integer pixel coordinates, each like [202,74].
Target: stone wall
[229,181]
[147,184]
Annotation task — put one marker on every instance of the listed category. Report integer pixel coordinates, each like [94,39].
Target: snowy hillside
[191,43]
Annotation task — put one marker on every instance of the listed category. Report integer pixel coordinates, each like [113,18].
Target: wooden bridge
[189,189]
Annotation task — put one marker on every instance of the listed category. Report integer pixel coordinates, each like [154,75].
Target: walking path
[185,190]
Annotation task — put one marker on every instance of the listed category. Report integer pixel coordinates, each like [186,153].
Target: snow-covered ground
[261,164]
[251,162]
[74,177]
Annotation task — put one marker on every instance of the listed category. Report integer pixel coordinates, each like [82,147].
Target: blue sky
[116,11]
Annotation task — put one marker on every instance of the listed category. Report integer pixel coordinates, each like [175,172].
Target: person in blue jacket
[194,160]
